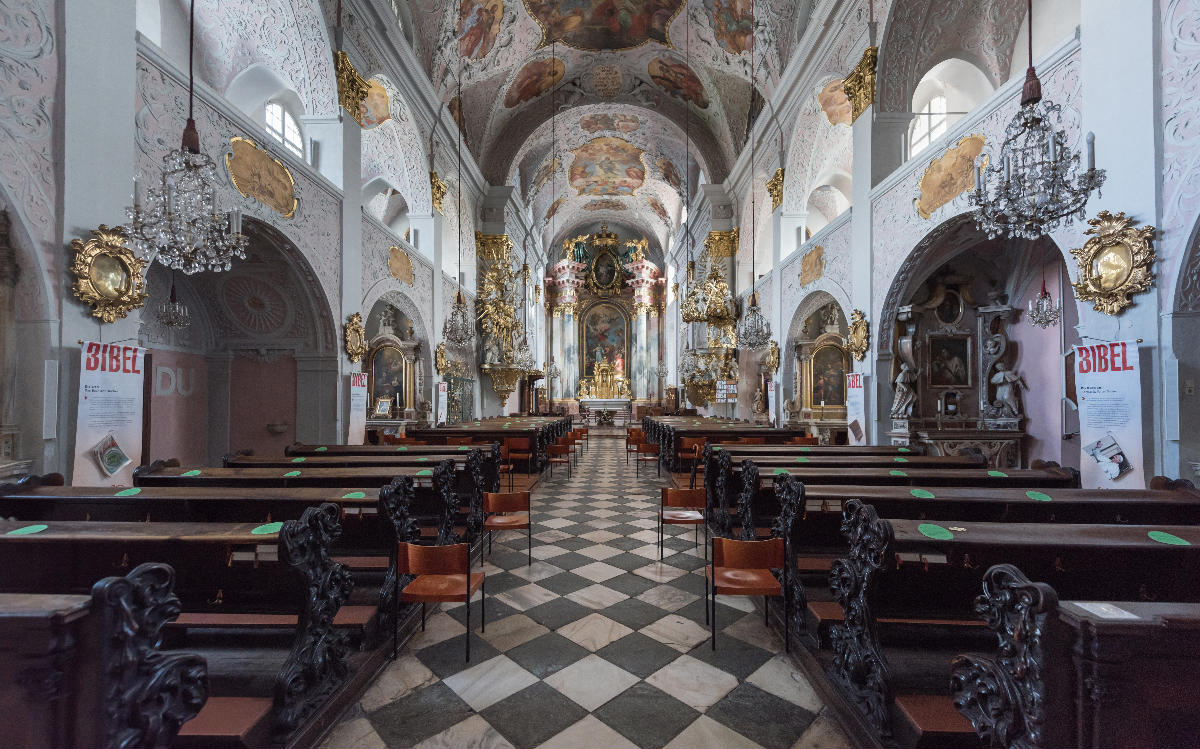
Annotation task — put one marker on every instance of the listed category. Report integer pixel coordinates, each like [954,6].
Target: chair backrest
[504,452]
[517,443]
[748,555]
[558,449]
[683,497]
[687,444]
[416,559]
[634,436]
[647,448]
[506,501]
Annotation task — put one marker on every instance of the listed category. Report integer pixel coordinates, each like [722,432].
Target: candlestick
[136,202]
[1091,148]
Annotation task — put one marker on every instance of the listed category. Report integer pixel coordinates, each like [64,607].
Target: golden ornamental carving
[537,293]
[352,87]
[356,338]
[637,250]
[860,84]
[721,244]
[504,379]
[494,248]
[400,265]
[445,365]
[812,265]
[495,303]
[256,174]
[675,289]
[437,187]
[642,308]
[108,275]
[565,308]
[770,361]
[775,189]
[949,175]
[1116,262]
[859,339]
[605,276]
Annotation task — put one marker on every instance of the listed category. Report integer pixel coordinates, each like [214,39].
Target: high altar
[606,305]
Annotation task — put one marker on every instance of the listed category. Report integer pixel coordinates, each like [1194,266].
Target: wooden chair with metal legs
[583,432]
[575,438]
[743,568]
[506,465]
[633,438]
[688,500]
[508,511]
[559,454]
[519,449]
[443,575]
[646,453]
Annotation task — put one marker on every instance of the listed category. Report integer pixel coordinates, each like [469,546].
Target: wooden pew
[231,577]
[84,671]
[542,432]
[919,576]
[297,449]
[667,431]
[1080,673]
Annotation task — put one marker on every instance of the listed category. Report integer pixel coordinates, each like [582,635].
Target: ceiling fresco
[656,74]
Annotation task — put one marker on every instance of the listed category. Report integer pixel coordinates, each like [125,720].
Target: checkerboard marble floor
[595,644]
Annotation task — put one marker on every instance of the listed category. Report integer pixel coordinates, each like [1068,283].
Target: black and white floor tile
[595,644]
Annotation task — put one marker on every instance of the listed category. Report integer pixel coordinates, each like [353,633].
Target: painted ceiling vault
[588,106]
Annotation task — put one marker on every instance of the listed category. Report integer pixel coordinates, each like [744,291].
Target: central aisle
[597,644]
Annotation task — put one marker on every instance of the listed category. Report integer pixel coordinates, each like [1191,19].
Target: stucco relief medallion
[812,265]
[257,175]
[949,175]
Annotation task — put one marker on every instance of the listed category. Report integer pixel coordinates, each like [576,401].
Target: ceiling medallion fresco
[543,175]
[477,27]
[595,123]
[678,80]
[375,108]
[553,209]
[607,204]
[670,173]
[834,103]
[732,24]
[533,80]
[607,166]
[596,25]
[659,210]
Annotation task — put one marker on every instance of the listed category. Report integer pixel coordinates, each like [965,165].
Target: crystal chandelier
[1043,312]
[523,358]
[1035,186]
[179,225]
[174,313]
[459,328]
[552,371]
[754,330]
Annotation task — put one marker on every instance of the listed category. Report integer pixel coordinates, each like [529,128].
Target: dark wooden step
[227,722]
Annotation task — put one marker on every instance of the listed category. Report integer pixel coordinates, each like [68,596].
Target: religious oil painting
[387,372]
[604,24]
[605,331]
[375,109]
[834,103]
[257,175]
[950,310]
[1114,265]
[678,80]
[594,123]
[605,269]
[605,204]
[607,166]
[669,172]
[829,376]
[533,80]
[659,210]
[732,24]
[949,361]
[477,28]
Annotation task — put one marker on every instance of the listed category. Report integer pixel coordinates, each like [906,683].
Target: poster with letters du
[443,403]
[856,411]
[357,430]
[1108,386]
[108,425]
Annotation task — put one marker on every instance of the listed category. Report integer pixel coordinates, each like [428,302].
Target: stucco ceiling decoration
[596,25]
[607,166]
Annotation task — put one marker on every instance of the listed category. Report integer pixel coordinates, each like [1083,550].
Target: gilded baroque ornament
[438,187]
[446,365]
[860,84]
[860,335]
[400,265]
[352,87]
[775,189]
[721,244]
[812,265]
[108,274]
[1115,263]
[950,175]
[256,174]
[356,338]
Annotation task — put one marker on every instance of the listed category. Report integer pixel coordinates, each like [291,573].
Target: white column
[865,139]
[641,343]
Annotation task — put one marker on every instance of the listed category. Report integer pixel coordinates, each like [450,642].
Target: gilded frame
[811,402]
[356,338]
[585,370]
[1115,263]
[108,275]
[618,280]
[370,365]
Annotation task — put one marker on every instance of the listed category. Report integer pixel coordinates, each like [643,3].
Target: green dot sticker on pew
[900,460]
[998,474]
[299,460]
[193,472]
[267,528]
[802,459]
[464,447]
[425,472]
[806,449]
[291,474]
[1165,538]
[355,495]
[1038,496]
[896,472]
[132,491]
[402,449]
[934,531]
[28,530]
[781,472]
[322,449]
[715,449]
[422,459]
[921,493]
[903,450]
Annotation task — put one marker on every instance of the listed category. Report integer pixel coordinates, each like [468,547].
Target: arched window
[281,125]
[928,123]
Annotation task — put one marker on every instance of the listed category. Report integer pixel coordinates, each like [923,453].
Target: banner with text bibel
[108,427]
[1108,386]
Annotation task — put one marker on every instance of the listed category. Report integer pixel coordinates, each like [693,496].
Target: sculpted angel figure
[905,394]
